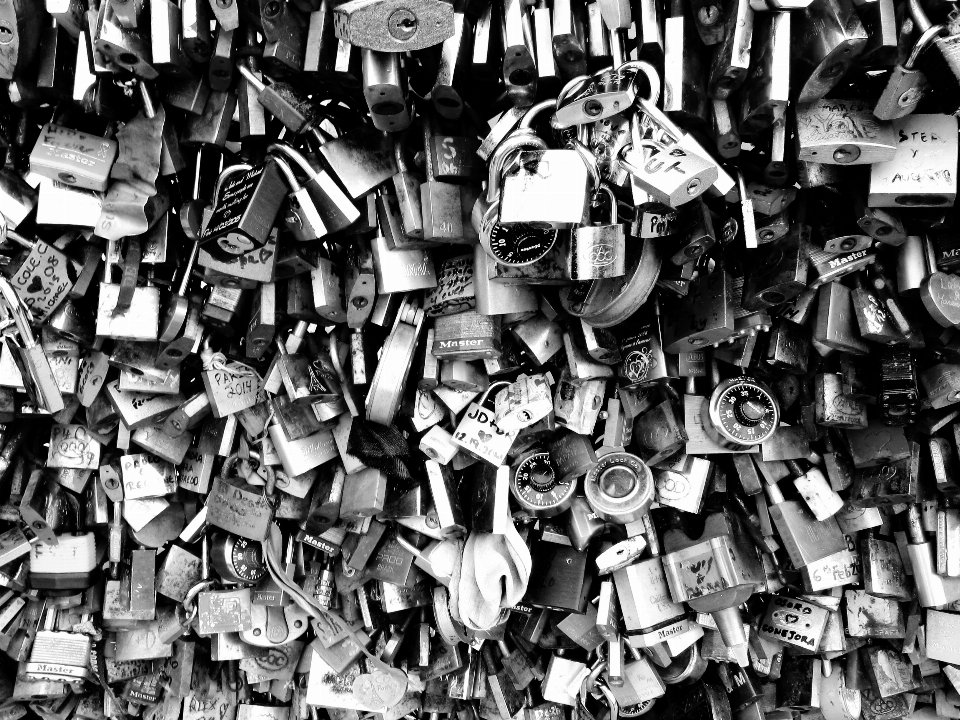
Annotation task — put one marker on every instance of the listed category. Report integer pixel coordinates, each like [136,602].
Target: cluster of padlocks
[497,359]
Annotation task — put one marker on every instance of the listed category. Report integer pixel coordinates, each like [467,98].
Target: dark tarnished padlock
[244,210]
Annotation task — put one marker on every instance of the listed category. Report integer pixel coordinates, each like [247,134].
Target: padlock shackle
[295,155]
[572,86]
[19,312]
[228,173]
[486,393]
[287,172]
[589,160]
[250,77]
[653,78]
[526,122]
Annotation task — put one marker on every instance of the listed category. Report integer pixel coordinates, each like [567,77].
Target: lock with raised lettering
[58,656]
[670,174]
[598,251]
[620,487]
[606,94]
[538,488]
[741,412]
[918,175]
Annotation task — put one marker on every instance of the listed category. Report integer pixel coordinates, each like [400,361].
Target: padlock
[708,586]
[598,251]
[768,82]
[245,208]
[392,28]
[239,508]
[58,656]
[923,141]
[528,195]
[906,84]
[692,176]
[125,310]
[620,487]
[73,157]
[820,59]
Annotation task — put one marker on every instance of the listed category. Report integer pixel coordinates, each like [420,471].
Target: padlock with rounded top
[620,487]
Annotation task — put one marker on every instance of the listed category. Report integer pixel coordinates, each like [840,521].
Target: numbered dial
[741,412]
[237,559]
[517,245]
[537,489]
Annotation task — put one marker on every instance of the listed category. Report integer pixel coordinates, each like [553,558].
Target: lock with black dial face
[538,489]
[237,559]
[742,412]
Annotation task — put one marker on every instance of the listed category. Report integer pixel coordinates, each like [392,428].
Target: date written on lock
[794,622]
[146,476]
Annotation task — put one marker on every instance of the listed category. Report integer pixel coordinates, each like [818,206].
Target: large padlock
[238,507]
[671,175]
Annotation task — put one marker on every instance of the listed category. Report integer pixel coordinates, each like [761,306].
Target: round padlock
[741,412]
[538,488]
[236,559]
[686,668]
[619,487]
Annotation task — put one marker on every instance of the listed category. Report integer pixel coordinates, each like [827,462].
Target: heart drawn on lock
[35,286]
[484,436]
[940,293]
[380,689]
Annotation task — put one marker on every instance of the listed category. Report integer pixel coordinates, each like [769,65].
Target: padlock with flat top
[58,656]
